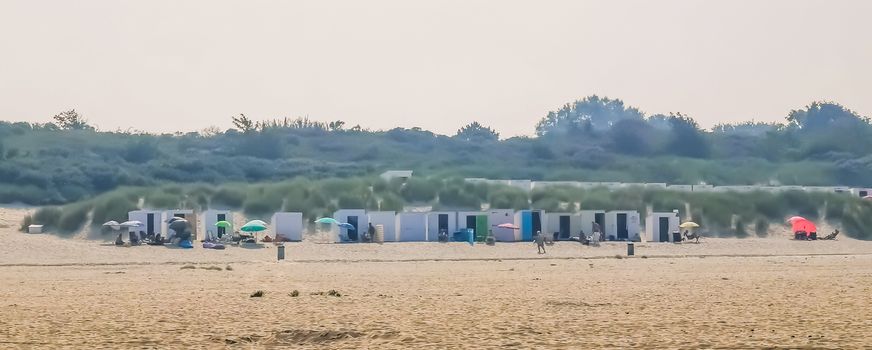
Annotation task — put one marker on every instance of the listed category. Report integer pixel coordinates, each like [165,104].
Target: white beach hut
[151,221]
[209,217]
[438,221]
[288,225]
[476,220]
[355,217]
[388,220]
[502,216]
[588,217]
[622,225]
[412,227]
[563,224]
[660,225]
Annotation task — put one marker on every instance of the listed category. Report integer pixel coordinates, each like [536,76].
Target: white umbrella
[132,223]
[113,224]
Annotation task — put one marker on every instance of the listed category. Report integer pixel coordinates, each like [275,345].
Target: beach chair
[831,236]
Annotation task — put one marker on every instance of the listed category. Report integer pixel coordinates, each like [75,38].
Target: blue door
[526,226]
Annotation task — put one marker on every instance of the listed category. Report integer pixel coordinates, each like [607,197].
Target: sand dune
[722,293]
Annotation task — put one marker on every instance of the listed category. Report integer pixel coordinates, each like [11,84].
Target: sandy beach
[721,293]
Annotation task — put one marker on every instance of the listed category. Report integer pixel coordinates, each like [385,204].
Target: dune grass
[727,214]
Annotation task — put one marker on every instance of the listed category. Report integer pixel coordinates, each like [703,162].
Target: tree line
[591,139]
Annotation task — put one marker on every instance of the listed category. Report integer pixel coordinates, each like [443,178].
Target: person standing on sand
[540,242]
[597,230]
[370,233]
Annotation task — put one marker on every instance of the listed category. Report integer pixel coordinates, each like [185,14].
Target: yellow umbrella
[689,224]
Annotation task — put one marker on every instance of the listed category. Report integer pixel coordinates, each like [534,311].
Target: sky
[185,65]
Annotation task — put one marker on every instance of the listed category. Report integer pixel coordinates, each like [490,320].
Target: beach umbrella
[174,219]
[223,224]
[131,223]
[509,226]
[179,226]
[253,226]
[113,225]
[347,226]
[327,221]
[689,224]
[803,225]
[795,218]
[868,197]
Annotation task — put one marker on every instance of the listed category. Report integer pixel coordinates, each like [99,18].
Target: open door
[563,231]
[600,218]
[353,234]
[149,224]
[623,232]
[537,223]
[443,223]
[664,230]
[221,230]
[470,221]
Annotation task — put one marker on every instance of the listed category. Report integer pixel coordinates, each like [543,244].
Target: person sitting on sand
[443,235]
[540,242]
[119,240]
[134,238]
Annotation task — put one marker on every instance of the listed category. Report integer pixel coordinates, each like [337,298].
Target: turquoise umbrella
[253,226]
[327,221]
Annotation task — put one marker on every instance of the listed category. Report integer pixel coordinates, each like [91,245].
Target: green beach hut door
[481,227]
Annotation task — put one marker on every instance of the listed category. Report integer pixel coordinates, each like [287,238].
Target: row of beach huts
[425,226]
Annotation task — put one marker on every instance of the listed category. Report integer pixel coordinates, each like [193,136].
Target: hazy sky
[186,65]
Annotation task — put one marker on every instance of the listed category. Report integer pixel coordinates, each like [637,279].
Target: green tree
[475,132]
[687,139]
[590,112]
[140,151]
[71,120]
[243,124]
[822,115]
[631,136]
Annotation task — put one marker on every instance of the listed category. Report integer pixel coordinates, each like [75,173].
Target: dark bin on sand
[676,237]
[630,248]
[280,251]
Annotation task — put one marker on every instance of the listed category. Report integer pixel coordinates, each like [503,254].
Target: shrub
[163,200]
[457,199]
[348,201]
[73,217]
[419,190]
[761,227]
[229,197]
[509,198]
[48,217]
[25,224]
[391,202]
[259,208]
[115,207]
